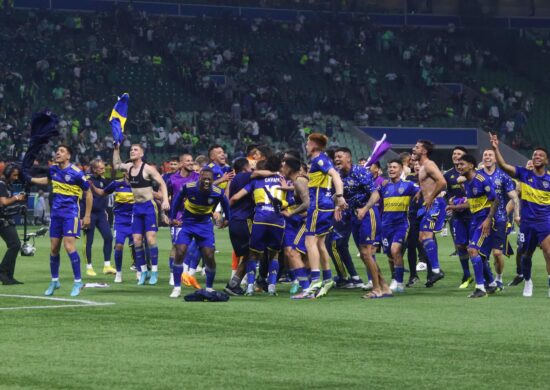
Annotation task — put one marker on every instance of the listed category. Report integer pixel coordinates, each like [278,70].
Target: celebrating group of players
[286,217]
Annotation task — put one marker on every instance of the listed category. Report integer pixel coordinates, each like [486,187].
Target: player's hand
[85,222]
[217,216]
[224,224]
[517,219]
[416,197]
[493,139]
[165,205]
[285,213]
[486,227]
[175,222]
[338,214]
[428,202]
[20,197]
[341,202]
[228,176]
[285,186]
[460,179]
[165,219]
[361,213]
[450,208]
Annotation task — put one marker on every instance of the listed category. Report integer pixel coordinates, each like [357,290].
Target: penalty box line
[75,302]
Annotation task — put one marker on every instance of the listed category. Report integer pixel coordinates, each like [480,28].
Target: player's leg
[89,235]
[519,269]
[151,237]
[432,222]
[69,242]
[412,254]
[105,231]
[379,286]
[460,227]
[397,256]
[56,233]
[210,266]
[528,240]
[477,265]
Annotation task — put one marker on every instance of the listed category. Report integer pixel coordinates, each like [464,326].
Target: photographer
[11,205]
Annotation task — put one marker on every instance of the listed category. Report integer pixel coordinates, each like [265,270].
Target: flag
[118,118]
[380,148]
[43,128]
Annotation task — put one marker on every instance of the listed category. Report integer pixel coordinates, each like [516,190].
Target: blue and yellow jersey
[198,206]
[320,183]
[124,199]
[535,196]
[265,191]
[358,187]
[455,190]
[67,187]
[396,198]
[219,172]
[481,195]
[502,183]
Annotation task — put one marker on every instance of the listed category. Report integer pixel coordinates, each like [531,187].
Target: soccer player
[173,166]
[460,220]
[122,210]
[144,214]
[175,183]
[198,200]
[68,185]
[431,183]
[268,226]
[396,195]
[100,220]
[535,209]
[482,202]
[322,207]
[222,172]
[505,189]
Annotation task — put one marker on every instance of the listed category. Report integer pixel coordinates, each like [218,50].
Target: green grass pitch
[425,338]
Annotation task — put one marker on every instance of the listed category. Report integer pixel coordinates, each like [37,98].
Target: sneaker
[284,280]
[399,288]
[133,268]
[466,282]
[250,290]
[194,283]
[315,286]
[261,285]
[295,288]
[54,285]
[491,289]
[343,283]
[233,290]
[171,280]
[176,292]
[434,279]
[154,278]
[323,292]
[90,271]
[412,281]
[142,278]
[528,288]
[271,290]
[517,280]
[421,266]
[444,232]
[478,293]
[500,286]
[185,279]
[454,254]
[356,283]
[303,295]
[109,270]
[368,286]
[77,286]
[393,284]
[118,277]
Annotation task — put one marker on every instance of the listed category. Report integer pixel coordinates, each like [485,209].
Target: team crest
[474,190]
[351,182]
[545,184]
[67,177]
[101,184]
[487,189]
[401,190]
[498,182]
[320,163]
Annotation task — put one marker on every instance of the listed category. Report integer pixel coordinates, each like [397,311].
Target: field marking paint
[78,302]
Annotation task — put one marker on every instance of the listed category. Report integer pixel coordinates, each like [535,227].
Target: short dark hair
[211,148]
[265,150]
[250,148]
[330,153]
[273,163]
[206,169]
[541,148]
[343,149]
[174,158]
[240,164]
[395,160]
[428,145]
[462,148]
[294,153]
[469,159]
[293,163]
[67,148]
[377,164]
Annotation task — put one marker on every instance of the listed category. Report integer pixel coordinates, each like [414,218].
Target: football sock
[107,263]
[118,260]
[399,272]
[140,258]
[464,262]
[177,269]
[430,247]
[477,264]
[210,275]
[154,252]
[171,262]
[301,275]
[272,271]
[292,275]
[526,264]
[54,266]
[250,271]
[75,263]
[327,275]
[499,278]
[487,272]
[234,282]
[315,275]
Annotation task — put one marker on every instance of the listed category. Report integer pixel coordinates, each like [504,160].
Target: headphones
[8,170]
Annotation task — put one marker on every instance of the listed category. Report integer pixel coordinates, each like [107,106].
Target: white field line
[78,302]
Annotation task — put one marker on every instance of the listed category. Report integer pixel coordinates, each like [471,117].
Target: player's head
[216,154]
[293,153]
[97,166]
[316,142]
[186,163]
[466,164]
[415,164]
[395,168]
[489,158]
[376,169]
[273,163]
[405,158]
[265,152]
[206,179]
[291,166]
[201,160]
[63,154]
[252,152]
[540,157]
[362,161]
[173,164]
[136,152]
[423,148]
[241,164]
[529,165]
[11,173]
[342,158]
[458,151]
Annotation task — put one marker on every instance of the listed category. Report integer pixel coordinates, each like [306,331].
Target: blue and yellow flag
[118,118]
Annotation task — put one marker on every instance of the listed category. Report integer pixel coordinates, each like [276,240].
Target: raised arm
[118,165]
[509,169]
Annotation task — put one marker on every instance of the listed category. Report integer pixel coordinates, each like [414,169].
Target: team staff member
[10,206]
[100,220]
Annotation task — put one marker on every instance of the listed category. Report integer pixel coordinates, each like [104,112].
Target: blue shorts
[291,231]
[299,243]
[461,229]
[483,244]
[122,230]
[144,217]
[264,237]
[531,234]
[174,231]
[239,234]
[500,238]
[433,219]
[202,232]
[64,227]
[319,222]
[393,234]
[367,231]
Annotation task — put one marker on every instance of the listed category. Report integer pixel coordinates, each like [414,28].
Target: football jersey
[176,182]
[67,187]
[198,206]
[320,183]
[481,195]
[243,209]
[396,199]
[502,183]
[100,202]
[535,196]
[219,171]
[358,187]
[455,190]
[124,199]
[264,192]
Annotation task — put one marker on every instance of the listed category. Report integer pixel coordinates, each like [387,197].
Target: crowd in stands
[235,81]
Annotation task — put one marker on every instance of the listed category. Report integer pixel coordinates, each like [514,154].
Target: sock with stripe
[75,264]
[430,247]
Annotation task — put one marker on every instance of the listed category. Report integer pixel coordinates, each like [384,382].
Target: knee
[472,252]
[119,247]
[497,253]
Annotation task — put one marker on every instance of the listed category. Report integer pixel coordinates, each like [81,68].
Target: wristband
[339,195]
